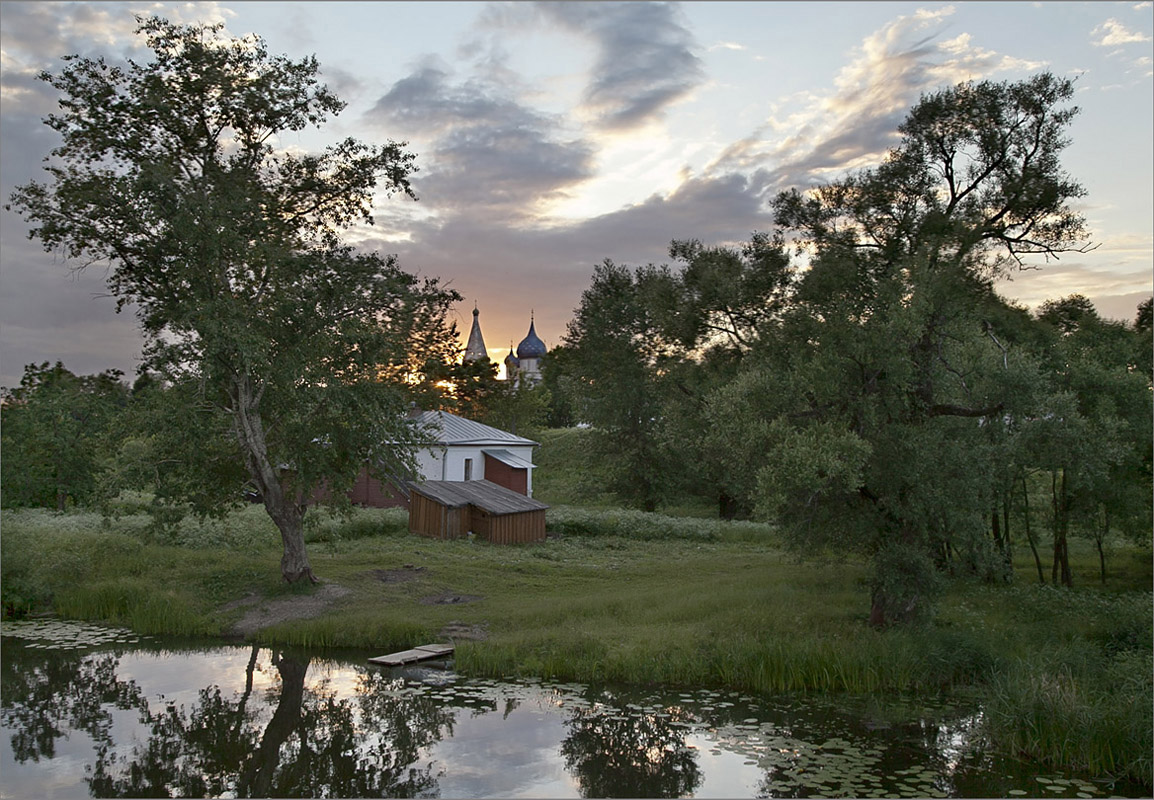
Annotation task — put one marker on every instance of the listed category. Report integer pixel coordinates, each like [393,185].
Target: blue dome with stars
[531,346]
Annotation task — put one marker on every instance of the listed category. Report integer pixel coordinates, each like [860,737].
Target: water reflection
[130,719]
[639,753]
[314,744]
[44,699]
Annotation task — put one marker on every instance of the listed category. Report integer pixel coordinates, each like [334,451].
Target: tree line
[854,375]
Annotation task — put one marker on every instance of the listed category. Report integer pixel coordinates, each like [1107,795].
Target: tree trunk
[257,778]
[1061,501]
[877,610]
[1002,543]
[1029,534]
[1007,505]
[726,505]
[289,518]
[1100,540]
[280,503]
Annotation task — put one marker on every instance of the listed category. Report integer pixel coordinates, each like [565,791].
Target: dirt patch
[264,613]
[463,632]
[405,573]
[449,599]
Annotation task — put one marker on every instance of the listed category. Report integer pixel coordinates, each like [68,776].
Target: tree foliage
[57,433]
[614,357]
[854,374]
[256,313]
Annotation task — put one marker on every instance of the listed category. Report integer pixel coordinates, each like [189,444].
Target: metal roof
[483,494]
[506,457]
[451,429]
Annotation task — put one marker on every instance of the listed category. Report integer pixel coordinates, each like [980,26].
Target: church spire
[475,349]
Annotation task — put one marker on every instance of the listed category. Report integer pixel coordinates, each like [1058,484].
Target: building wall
[448,464]
[368,491]
[443,464]
[429,518]
[502,474]
[526,526]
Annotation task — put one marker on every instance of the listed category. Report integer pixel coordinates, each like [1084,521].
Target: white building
[462,450]
[466,450]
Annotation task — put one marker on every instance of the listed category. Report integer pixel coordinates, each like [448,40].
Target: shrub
[647,526]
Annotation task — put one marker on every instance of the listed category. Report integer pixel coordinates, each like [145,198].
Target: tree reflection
[43,699]
[314,744]
[630,755]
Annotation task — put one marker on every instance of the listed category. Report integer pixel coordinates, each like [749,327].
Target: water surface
[90,711]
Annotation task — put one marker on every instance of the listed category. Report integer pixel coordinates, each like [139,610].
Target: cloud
[490,155]
[857,123]
[645,59]
[51,313]
[1112,33]
[1115,294]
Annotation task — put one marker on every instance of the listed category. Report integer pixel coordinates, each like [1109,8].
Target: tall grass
[1099,723]
[125,601]
[1079,692]
[1064,676]
[643,526]
[360,629]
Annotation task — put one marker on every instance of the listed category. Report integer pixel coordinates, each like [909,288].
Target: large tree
[881,402]
[229,247]
[614,352]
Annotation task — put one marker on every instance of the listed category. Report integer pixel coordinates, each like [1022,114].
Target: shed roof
[451,429]
[483,494]
[506,457]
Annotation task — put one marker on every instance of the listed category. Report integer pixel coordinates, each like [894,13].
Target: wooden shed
[451,509]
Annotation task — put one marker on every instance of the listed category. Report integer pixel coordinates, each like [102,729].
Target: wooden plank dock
[423,653]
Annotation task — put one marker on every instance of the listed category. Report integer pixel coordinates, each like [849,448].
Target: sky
[553,136]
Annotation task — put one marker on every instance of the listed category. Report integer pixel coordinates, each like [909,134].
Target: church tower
[512,365]
[529,354]
[475,349]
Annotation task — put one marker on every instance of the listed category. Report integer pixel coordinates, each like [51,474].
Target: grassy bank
[621,596]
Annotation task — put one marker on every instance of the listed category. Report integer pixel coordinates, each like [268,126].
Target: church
[522,365]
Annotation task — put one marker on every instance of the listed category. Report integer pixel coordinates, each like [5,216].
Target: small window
[468,469]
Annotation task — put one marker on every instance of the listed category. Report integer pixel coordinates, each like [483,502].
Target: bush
[646,526]
[359,523]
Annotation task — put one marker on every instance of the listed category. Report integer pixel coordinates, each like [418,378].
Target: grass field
[646,599]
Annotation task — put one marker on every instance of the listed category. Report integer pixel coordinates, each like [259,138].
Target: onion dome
[531,346]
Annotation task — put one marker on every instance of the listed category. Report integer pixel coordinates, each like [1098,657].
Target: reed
[129,603]
[1088,722]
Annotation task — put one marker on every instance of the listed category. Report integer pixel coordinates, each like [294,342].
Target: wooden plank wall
[370,492]
[429,518]
[527,526]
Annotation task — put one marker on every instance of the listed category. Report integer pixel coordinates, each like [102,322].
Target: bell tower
[475,349]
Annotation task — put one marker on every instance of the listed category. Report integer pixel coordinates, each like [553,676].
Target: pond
[92,711]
